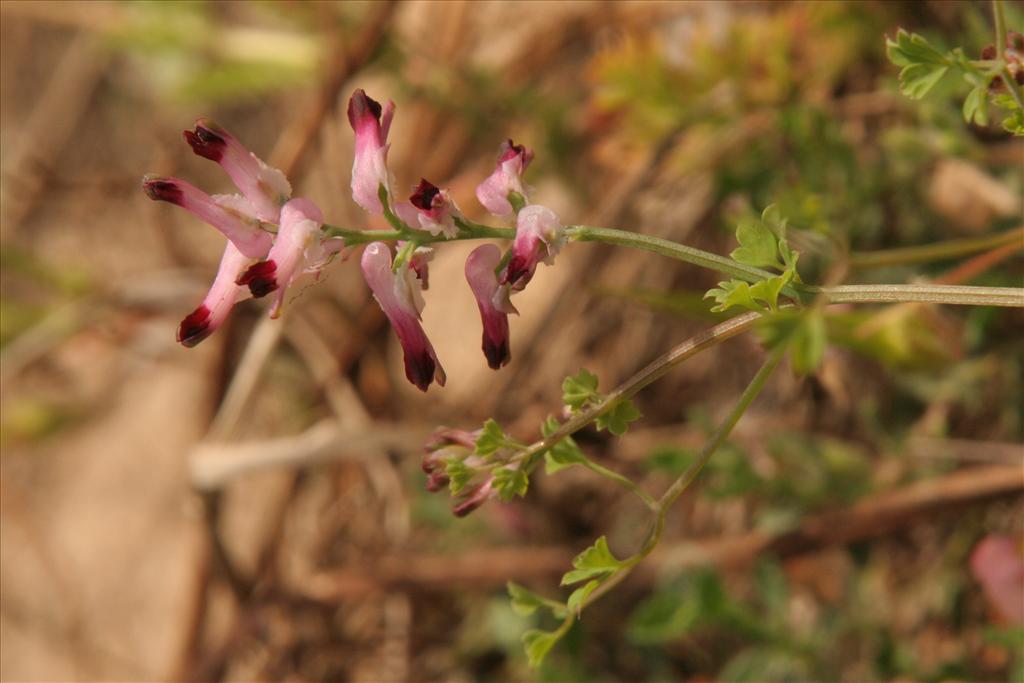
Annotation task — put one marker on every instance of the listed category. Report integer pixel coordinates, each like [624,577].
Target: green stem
[680,252]
[625,482]
[936,294]
[664,504]
[935,252]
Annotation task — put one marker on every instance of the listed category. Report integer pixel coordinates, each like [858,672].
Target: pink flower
[476,497]
[399,296]
[299,247]
[429,209]
[507,177]
[369,168]
[997,562]
[493,302]
[202,322]
[264,187]
[232,215]
[539,237]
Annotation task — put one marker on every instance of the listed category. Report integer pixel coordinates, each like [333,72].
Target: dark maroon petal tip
[260,278]
[497,352]
[195,327]
[162,189]
[206,142]
[360,105]
[424,194]
[510,150]
[419,369]
[988,52]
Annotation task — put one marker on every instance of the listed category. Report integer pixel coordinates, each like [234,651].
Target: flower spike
[507,178]
[298,248]
[230,214]
[492,300]
[369,167]
[539,237]
[399,297]
[202,322]
[265,187]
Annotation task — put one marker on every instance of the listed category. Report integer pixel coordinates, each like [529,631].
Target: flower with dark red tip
[507,177]
[430,209]
[369,167]
[493,302]
[264,187]
[202,322]
[230,214]
[298,248]
[476,497]
[399,297]
[539,237]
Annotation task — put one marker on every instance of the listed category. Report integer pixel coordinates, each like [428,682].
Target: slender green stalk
[724,430]
[625,482]
[936,294]
[935,252]
[664,504]
[680,252]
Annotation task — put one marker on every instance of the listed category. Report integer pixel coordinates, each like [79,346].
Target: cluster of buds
[273,238]
[1013,55]
[452,459]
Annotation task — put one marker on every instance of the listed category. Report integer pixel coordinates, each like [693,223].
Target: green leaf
[730,294]
[538,644]
[524,601]
[768,290]
[774,220]
[594,561]
[458,475]
[618,418]
[976,105]
[918,79]
[757,244]
[563,454]
[579,596]
[576,391]
[491,439]
[510,482]
[910,48]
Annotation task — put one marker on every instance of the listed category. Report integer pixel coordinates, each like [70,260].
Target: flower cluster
[476,466]
[273,238]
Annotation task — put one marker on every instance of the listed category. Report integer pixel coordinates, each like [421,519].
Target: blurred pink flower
[399,296]
[997,562]
[507,177]
[369,168]
[493,302]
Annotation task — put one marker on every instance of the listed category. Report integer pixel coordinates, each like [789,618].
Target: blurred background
[254,508]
